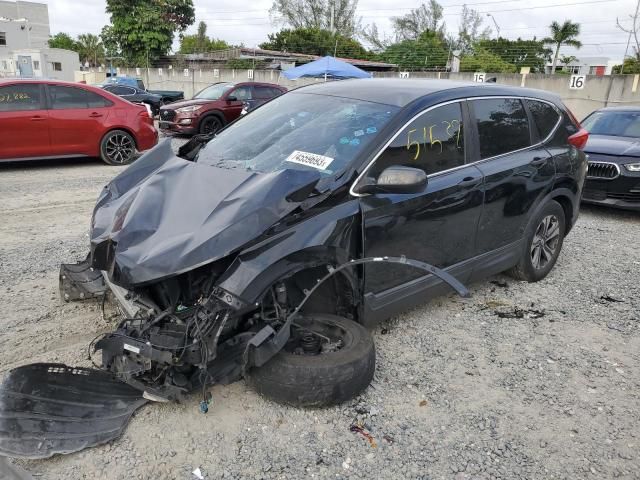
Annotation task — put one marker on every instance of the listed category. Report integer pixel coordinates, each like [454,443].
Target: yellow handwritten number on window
[414,142]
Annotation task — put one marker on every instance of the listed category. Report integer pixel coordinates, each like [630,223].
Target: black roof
[620,108]
[401,91]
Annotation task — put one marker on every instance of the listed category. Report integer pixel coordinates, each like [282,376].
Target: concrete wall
[37,16]
[599,91]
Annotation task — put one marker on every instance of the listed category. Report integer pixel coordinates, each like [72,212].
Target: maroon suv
[215,106]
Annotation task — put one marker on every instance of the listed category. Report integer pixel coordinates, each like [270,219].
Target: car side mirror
[396,179]
[232,98]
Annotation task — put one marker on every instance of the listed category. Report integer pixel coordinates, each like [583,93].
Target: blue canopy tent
[327,67]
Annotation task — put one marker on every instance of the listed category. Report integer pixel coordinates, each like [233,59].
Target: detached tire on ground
[325,378]
[118,148]
[543,242]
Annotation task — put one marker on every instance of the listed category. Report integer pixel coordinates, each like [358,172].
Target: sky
[248,21]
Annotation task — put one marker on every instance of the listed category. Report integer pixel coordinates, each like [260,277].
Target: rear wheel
[210,125]
[118,148]
[327,360]
[543,242]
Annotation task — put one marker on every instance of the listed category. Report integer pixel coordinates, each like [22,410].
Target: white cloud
[248,21]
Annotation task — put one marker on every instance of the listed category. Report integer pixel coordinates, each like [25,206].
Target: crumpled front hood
[610,145]
[165,215]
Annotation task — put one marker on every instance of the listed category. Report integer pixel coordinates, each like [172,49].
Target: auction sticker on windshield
[310,159]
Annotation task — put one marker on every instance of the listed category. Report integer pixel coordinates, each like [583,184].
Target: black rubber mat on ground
[52,408]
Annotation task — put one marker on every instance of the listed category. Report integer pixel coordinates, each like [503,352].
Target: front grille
[603,170]
[167,115]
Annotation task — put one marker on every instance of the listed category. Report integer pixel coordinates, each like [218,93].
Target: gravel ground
[520,381]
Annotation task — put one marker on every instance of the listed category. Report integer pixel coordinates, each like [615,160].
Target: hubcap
[119,148]
[545,242]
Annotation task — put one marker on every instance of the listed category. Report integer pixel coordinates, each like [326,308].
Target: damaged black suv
[266,251]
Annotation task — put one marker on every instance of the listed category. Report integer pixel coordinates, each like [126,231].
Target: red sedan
[42,119]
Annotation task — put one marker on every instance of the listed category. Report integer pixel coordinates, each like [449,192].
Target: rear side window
[266,92]
[117,90]
[545,117]
[16,98]
[503,126]
[433,142]
[65,98]
[96,101]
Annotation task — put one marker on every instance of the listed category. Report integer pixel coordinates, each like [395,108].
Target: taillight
[579,139]
[145,117]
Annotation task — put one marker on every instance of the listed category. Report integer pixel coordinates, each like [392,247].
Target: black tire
[117,148]
[210,125]
[543,242]
[323,379]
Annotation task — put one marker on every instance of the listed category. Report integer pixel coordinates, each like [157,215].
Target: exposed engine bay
[184,334]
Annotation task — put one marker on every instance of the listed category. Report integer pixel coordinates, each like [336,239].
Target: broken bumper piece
[78,281]
[48,408]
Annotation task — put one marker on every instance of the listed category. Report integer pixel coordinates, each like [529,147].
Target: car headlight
[190,109]
[632,167]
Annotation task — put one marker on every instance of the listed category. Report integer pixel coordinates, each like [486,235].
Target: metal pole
[333,12]
[626,50]
[495,23]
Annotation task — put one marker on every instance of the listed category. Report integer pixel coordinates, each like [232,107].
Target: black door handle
[468,180]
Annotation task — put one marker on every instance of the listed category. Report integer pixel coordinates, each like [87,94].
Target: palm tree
[91,49]
[564,34]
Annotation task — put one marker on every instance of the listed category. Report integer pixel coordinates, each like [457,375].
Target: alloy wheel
[545,242]
[210,125]
[119,148]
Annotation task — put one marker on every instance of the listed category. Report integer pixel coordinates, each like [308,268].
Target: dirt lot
[520,381]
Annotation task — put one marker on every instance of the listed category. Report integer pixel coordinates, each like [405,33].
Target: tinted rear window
[64,98]
[544,115]
[502,126]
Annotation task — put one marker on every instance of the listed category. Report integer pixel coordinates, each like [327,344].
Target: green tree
[567,59]
[427,52]
[419,20]
[63,40]
[565,34]
[482,60]
[144,29]
[314,41]
[631,65]
[470,30]
[521,53]
[90,49]
[200,42]
[317,14]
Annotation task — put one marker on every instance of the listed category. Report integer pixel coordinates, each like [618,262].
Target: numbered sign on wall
[479,77]
[404,74]
[216,73]
[160,72]
[186,72]
[138,72]
[250,74]
[577,82]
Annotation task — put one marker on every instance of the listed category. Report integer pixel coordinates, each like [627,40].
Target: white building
[33,19]
[24,50]
[586,66]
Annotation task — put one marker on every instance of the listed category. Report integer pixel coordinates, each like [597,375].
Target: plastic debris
[198,474]
[358,428]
